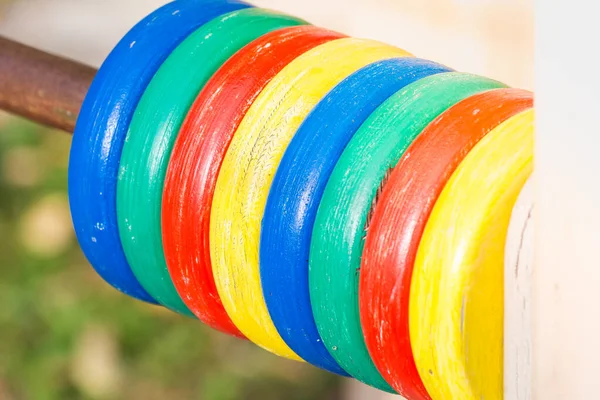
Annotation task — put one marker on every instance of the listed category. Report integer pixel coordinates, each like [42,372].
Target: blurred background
[64,333]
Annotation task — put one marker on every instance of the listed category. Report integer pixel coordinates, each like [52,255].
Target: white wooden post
[566,279]
[517,297]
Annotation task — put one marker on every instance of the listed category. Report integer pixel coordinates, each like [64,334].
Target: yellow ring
[248,169]
[456,300]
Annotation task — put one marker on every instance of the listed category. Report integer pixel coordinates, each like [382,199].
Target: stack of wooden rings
[333,200]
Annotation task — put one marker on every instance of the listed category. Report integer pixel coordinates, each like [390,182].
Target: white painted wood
[517,297]
[566,277]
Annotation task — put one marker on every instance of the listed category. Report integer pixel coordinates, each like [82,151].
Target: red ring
[197,157]
[399,219]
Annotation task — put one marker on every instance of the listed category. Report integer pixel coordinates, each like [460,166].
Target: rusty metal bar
[42,87]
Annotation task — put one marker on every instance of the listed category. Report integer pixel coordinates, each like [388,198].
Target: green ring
[153,131]
[339,230]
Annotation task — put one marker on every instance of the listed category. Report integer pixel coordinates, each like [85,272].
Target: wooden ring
[399,220]
[152,132]
[297,188]
[102,125]
[248,168]
[341,221]
[456,296]
[197,156]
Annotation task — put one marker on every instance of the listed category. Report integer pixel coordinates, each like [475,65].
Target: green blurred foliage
[65,334]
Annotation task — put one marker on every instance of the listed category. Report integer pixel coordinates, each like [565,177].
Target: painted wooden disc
[102,125]
[248,169]
[341,220]
[197,156]
[296,193]
[399,220]
[152,132]
[456,296]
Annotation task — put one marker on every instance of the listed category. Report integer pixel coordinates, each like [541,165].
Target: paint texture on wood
[294,199]
[102,127]
[197,156]
[400,218]
[248,169]
[152,132]
[456,299]
[353,188]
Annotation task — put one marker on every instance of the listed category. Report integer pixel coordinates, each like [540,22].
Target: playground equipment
[333,200]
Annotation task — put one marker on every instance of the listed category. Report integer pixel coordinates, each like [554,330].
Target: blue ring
[297,190]
[102,126]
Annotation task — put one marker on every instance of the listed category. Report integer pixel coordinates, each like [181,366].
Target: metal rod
[42,87]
